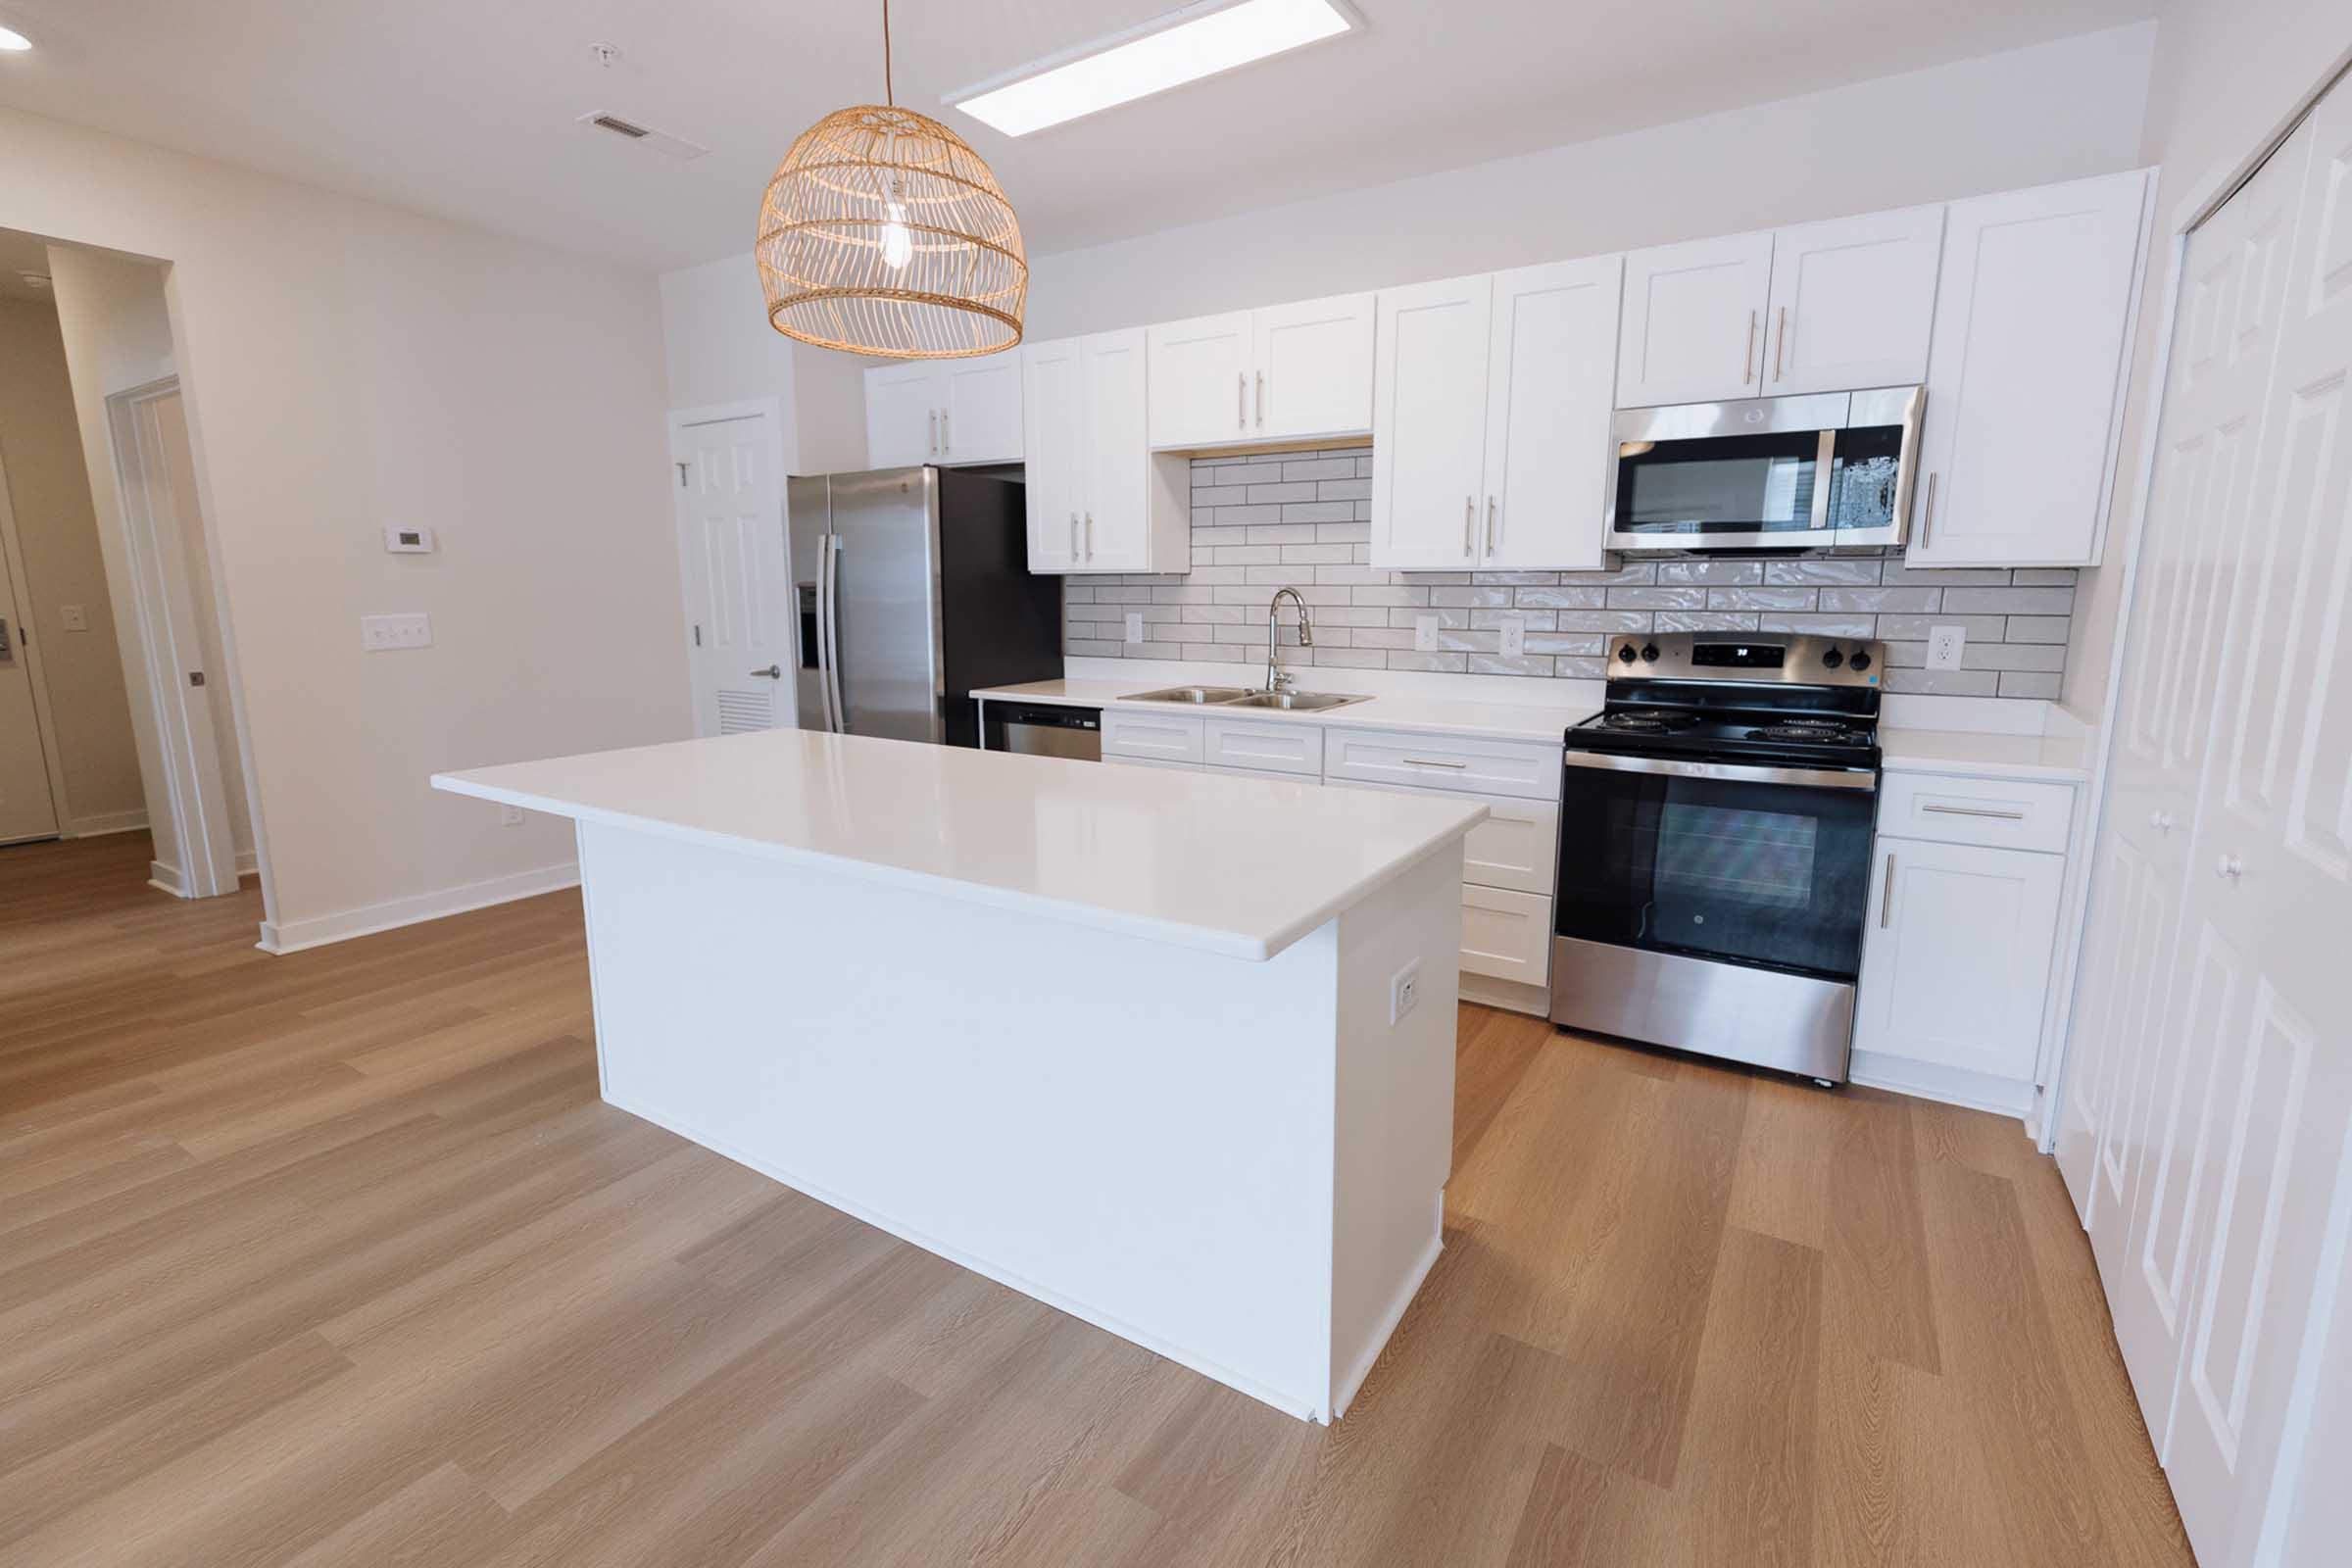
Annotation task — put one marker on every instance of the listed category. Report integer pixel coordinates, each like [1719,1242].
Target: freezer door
[807,517]
[885,616]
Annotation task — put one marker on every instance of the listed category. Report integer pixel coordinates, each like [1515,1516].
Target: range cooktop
[1739,696]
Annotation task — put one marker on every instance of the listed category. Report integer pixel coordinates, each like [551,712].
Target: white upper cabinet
[1098,500]
[1491,420]
[1852,301]
[1429,423]
[1693,328]
[947,411]
[2024,375]
[1550,380]
[1284,373]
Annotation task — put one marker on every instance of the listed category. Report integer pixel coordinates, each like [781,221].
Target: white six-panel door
[739,599]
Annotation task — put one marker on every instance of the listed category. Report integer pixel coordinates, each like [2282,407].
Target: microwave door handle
[1824,464]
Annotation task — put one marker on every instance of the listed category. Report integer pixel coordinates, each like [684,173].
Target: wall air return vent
[662,141]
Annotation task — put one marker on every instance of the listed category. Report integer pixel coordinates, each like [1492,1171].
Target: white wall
[2226,73]
[721,349]
[57,530]
[2056,110]
[348,365]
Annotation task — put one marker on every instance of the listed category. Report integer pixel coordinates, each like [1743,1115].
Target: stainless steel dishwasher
[1045,729]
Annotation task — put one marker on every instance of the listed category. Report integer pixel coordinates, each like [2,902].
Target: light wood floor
[336,1258]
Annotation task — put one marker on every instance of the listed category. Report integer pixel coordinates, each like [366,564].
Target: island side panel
[1137,1133]
[1394,1144]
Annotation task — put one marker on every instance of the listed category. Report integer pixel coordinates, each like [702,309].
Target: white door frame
[2204,199]
[171,650]
[681,419]
[44,713]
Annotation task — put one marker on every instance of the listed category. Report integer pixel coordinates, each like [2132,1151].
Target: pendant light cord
[889,96]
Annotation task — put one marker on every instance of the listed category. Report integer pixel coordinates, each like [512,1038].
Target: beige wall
[721,349]
[2226,73]
[57,531]
[348,365]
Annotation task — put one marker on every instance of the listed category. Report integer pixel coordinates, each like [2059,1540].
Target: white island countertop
[1234,865]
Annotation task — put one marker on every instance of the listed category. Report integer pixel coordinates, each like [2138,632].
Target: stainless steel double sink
[1246,696]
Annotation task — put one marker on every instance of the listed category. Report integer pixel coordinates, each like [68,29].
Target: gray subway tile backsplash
[1302,519]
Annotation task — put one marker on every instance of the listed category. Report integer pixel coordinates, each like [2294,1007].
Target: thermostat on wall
[407,541]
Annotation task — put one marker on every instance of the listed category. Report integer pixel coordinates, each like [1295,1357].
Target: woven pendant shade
[868,188]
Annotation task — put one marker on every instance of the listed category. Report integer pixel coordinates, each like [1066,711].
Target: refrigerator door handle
[840,719]
[825,631]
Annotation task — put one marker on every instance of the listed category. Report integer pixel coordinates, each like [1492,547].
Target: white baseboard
[293,936]
[1509,995]
[249,863]
[166,878]
[103,823]
[1954,1086]
[1344,1394]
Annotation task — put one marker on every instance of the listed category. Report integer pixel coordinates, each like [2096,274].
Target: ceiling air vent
[662,141]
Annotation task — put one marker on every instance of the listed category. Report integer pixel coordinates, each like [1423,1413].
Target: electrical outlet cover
[1425,634]
[1404,991]
[1135,625]
[74,617]
[1945,644]
[1514,636]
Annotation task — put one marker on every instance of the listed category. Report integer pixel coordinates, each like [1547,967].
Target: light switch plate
[408,539]
[508,814]
[1945,644]
[1135,625]
[383,633]
[1404,991]
[74,617]
[1514,636]
[1425,634]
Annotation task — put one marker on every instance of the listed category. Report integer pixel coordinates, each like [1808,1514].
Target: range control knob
[1625,655]
[1861,659]
[1832,659]
[1649,652]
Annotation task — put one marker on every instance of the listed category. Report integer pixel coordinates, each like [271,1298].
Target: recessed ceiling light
[12,42]
[1186,45]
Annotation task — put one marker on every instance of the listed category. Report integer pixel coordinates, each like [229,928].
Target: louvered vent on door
[740,713]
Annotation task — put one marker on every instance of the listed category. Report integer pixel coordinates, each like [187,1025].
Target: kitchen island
[1170,1051]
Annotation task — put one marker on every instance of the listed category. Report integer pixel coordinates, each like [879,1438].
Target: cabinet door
[1957,962]
[2024,372]
[1694,329]
[1200,383]
[1507,936]
[1552,376]
[1313,376]
[902,416]
[1114,530]
[1429,424]
[1054,424]
[980,410]
[1852,301]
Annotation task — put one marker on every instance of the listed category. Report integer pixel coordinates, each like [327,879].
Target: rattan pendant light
[884,233]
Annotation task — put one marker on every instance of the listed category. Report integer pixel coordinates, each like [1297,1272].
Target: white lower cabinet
[1506,935]
[1956,961]
[1288,748]
[1150,737]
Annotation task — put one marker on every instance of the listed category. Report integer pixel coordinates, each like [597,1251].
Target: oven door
[1763,866]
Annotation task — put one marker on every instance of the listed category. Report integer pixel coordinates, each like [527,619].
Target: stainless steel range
[1715,826]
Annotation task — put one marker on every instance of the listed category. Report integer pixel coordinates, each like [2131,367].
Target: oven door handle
[1731,773]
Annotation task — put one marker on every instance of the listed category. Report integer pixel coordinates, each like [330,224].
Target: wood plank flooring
[336,1258]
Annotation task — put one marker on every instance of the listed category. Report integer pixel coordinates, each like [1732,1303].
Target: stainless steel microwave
[1797,472]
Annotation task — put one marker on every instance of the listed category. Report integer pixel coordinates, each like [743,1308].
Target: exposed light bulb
[897,245]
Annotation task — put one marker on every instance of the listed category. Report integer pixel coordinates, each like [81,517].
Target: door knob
[772,672]
[2230,865]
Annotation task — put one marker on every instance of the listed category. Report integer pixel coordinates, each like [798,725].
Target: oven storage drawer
[1530,770]
[1505,934]
[1998,813]
[1291,748]
[1150,737]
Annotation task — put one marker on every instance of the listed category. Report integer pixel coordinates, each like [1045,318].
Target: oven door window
[1770,874]
[1733,484]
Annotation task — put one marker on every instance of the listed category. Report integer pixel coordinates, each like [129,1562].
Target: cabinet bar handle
[1469,527]
[1261,400]
[935,432]
[947,441]
[1489,526]
[1090,536]
[1431,761]
[1240,400]
[1074,556]
[1927,521]
[1747,358]
[1887,894]
[1972,810]
[1780,344]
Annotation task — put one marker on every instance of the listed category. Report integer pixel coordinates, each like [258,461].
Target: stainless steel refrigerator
[914,589]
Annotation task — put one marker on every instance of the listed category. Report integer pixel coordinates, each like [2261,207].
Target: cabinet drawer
[1999,813]
[1517,846]
[1530,770]
[1264,747]
[1505,934]
[1150,737]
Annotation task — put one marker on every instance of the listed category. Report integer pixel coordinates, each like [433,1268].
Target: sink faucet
[1276,676]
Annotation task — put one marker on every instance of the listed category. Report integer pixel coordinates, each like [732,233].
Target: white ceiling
[468,110]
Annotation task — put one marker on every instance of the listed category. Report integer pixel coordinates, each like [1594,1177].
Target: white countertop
[1429,716]
[1237,865]
[2061,759]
